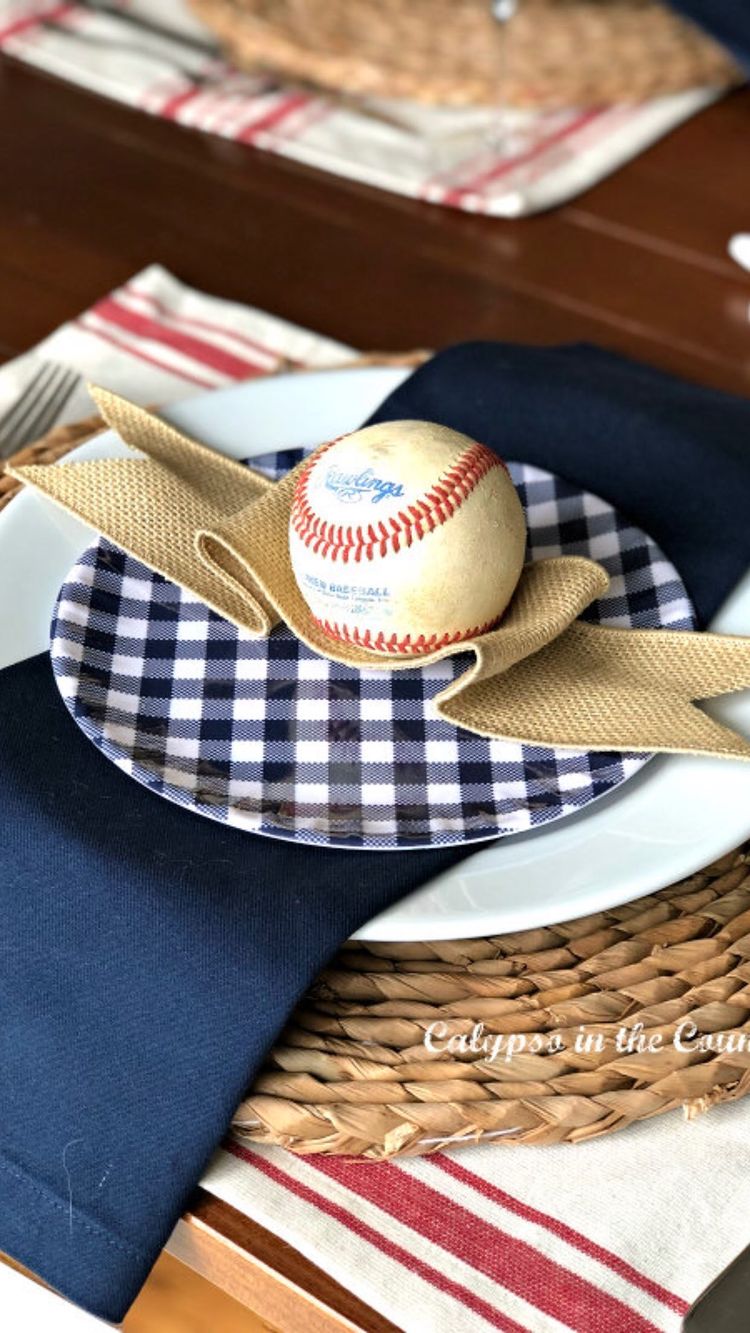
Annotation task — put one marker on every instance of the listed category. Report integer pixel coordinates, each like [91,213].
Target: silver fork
[38,408]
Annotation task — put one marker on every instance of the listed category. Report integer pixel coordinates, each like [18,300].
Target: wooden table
[92,191]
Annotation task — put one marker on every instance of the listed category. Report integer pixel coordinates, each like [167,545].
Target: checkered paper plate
[269,737]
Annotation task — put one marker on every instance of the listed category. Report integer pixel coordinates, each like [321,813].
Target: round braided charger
[553,53]
[351,1074]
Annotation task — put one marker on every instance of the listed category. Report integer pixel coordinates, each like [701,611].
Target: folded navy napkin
[726,20]
[671,456]
[150,957]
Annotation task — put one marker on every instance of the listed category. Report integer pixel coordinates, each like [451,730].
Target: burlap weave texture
[220,530]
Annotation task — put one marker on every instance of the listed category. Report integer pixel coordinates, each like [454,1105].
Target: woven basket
[552,52]
[55,445]
[352,1075]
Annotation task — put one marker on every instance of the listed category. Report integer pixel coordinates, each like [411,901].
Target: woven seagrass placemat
[583,52]
[353,1073]
[541,1036]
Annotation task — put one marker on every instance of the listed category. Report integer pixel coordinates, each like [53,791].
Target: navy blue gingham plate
[266,736]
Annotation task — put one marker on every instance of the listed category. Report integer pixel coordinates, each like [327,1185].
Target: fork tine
[10,420]
[67,384]
[16,438]
[58,390]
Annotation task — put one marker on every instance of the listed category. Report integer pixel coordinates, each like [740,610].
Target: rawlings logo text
[351,487]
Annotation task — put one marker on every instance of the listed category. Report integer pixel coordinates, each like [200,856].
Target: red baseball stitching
[380,644]
[368,540]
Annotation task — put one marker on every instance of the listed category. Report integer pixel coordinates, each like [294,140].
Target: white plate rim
[677,814]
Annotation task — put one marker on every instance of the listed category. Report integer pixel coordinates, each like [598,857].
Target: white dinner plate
[677,814]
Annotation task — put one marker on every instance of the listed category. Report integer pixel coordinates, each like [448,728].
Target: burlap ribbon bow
[220,530]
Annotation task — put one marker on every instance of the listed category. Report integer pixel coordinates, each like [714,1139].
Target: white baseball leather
[406,536]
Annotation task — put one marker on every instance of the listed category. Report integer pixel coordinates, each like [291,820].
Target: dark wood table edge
[264,1273]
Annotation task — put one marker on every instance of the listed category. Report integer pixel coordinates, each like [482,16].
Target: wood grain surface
[177,1300]
[93,191]
[267,1275]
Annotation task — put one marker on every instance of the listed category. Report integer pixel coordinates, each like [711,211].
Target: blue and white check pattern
[265,735]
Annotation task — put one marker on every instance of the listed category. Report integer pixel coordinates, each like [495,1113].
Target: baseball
[405,537]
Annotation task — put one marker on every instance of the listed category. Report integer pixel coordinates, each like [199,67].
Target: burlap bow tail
[220,530]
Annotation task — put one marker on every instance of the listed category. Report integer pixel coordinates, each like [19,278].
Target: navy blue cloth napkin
[150,957]
[726,20]
[671,456]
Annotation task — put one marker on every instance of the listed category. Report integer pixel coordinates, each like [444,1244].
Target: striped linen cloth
[618,1235]
[155,56]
